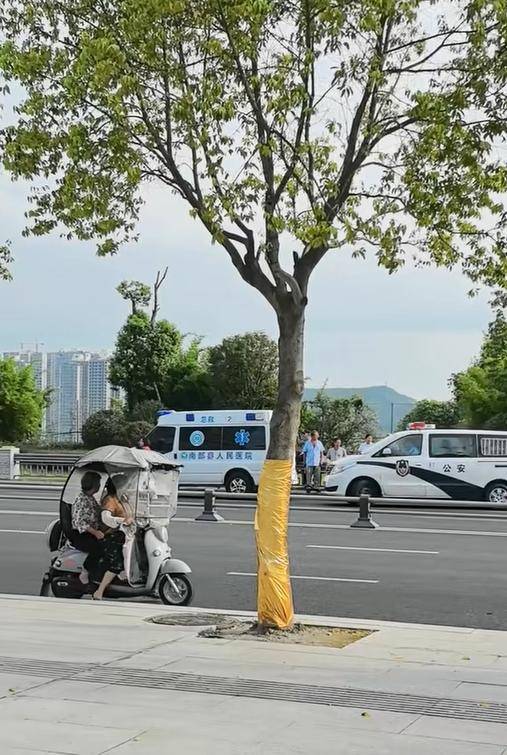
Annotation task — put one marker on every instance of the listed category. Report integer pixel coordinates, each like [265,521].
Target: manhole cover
[193,619]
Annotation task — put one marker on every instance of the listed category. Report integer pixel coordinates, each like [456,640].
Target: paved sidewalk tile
[10,683]
[322,741]
[489,692]
[466,731]
[60,737]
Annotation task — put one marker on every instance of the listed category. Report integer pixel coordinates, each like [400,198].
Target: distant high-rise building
[78,386]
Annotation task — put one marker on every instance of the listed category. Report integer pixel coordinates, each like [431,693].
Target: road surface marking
[321,579]
[379,550]
[24,532]
[417,530]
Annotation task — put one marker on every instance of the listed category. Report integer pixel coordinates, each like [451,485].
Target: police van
[215,447]
[423,462]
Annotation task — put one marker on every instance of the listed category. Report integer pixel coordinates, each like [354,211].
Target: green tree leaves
[481,390]
[346,418]
[21,404]
[244,372]
[443,414]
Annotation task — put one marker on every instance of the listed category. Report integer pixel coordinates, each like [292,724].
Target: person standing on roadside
[366,445]
[314,456]
[336,452]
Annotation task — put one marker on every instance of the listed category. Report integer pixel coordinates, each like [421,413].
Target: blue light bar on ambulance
[164,412]
[190,417]
[252,416]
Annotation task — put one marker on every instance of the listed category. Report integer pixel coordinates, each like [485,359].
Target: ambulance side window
[409,445]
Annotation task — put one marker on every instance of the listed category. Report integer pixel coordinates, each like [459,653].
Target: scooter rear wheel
[170,596]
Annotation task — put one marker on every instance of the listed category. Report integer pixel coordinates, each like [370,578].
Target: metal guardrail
[45,464]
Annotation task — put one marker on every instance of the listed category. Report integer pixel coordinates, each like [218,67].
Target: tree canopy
[21,404]
[349,419]
[481,390]
[112,427]
[244,372]
[151,361]
[143,357]
[440,413]
[362,123]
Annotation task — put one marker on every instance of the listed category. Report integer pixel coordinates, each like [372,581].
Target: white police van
[423,462]
[215,447]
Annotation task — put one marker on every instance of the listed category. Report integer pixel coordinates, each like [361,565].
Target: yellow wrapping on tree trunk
[274,593]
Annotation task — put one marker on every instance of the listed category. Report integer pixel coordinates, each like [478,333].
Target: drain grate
[36,667]
[267,690]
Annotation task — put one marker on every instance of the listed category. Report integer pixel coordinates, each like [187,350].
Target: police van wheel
[239,482]
[365,486]
[497,493]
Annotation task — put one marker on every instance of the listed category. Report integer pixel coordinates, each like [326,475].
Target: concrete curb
[328,621]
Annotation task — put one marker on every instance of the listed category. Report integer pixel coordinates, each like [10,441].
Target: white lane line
[321,579]
[378,550]
[24,532]
[418,530]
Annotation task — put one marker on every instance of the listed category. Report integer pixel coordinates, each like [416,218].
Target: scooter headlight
[161,534]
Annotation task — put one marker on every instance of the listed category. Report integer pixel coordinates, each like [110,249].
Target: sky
[410,330]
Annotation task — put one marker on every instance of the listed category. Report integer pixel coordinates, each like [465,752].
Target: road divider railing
[45,464]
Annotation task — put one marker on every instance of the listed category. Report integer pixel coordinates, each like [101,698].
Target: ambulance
[216,448]
[423,462]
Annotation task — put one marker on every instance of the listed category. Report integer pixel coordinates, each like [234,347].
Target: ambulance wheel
[364,486]
[179,593]
[496,492]
[239,481]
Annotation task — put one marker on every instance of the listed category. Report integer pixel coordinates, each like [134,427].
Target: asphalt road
[430,566]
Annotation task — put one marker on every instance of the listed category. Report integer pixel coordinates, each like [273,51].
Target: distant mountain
[389,405]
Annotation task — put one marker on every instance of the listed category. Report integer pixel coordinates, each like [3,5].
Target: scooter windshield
[158,495]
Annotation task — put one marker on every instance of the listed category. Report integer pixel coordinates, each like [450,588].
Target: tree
[104,428]
[137,293]
[440,413]
[289,128]
[151,361]
[347,418]
[244,372]
[111,428]
[5,260]
[21,404]
[481,391]
[143,356]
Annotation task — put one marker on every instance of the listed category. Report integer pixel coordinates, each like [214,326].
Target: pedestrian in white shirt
[314,455]
[336,452]
[366,445]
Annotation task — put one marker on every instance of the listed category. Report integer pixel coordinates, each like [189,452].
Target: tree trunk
[274,595]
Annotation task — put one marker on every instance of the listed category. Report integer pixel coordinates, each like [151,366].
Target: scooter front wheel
[175,590]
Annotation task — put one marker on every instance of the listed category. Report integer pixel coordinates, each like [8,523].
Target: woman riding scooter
[87,535]
[121,525]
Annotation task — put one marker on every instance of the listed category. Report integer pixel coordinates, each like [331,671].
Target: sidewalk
[90,678]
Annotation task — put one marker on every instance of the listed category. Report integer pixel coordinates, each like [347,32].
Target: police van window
[445,446]
[409,445]
[203,438]
[161,439]
[244,438]
[493,446]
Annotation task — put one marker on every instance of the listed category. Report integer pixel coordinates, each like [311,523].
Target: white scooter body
[67,563]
